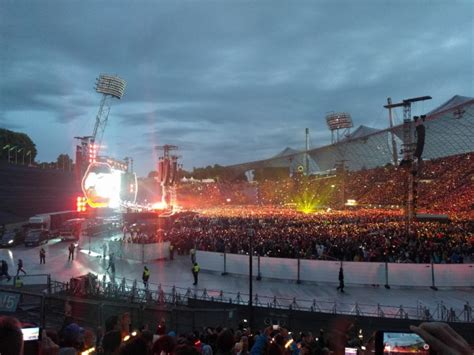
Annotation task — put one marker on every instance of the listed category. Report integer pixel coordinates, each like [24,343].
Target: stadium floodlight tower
[110,87]
[340,124]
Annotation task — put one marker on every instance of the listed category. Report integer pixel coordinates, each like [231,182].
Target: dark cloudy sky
[227,81]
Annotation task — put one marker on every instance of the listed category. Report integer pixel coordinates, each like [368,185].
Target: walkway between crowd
[179,273]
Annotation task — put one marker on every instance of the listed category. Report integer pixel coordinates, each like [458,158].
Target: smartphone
[30,334]
[399,342]
[31,340]
[350,351]
[276,327]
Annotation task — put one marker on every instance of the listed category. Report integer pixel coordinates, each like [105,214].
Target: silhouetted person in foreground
[4,270]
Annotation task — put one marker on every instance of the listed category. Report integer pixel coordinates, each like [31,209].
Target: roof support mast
[408,150]
[394,143]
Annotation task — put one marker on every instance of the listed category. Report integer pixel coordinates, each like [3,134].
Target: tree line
[19,148]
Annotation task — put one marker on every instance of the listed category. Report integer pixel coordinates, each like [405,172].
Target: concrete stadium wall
[27,191]
[358,273]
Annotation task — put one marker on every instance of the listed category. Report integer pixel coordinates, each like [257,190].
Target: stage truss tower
[168,174]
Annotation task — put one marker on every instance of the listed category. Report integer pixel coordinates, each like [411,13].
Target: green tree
[16,140]
[64,162]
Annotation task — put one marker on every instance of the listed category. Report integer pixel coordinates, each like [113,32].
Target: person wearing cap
[72,339]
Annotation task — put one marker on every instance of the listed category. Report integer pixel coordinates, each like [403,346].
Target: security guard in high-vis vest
[195,271]
[145,276]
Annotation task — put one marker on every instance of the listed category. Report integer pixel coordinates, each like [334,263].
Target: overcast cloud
[227,81]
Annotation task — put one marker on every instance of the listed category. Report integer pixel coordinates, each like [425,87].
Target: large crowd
[119,338]
[292,217]
[362,235]
[444,185]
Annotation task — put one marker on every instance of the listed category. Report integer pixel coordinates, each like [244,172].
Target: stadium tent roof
[362,131]
[449,131]
[285,152]
[299,160]
[452,103]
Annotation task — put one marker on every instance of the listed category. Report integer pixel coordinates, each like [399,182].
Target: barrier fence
[358,273]
[122,250]
[133,291]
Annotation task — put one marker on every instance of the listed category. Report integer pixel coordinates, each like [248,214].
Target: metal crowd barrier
[133,291]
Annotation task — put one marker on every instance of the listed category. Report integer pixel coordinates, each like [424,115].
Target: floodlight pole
[9,155]
[306,152]
[109,86]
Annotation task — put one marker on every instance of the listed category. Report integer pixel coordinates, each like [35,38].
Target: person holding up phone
[442,338]
[11,336]
[428,338]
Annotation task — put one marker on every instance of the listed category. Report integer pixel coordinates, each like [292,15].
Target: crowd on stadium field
[119,338]
[363,235]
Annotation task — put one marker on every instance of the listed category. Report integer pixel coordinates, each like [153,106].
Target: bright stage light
[159,205]
[351,202]
[101,185]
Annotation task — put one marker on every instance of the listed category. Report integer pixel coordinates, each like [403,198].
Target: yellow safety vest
[196,268]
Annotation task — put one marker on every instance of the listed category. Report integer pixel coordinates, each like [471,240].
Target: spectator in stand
[134,346]
[71,339]
[112,337]
[125,324]
[225,342]
[341,333]
[165,344]
[11,337]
